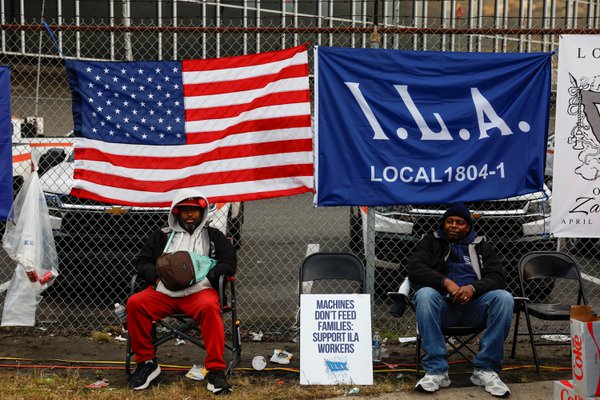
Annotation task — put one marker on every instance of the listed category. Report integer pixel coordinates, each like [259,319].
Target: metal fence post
[370,244]
[370,251]
[127,24]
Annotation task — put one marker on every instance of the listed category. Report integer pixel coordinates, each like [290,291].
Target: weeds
[101,337]
[50,385]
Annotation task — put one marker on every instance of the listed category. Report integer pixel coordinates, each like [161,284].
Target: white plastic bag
[28,240]
[21,300]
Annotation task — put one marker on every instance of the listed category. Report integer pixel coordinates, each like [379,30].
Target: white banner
[335,339]
[576,185]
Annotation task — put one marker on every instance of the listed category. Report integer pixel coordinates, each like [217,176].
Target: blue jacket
[427,266]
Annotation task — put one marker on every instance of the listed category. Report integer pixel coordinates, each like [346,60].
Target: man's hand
[464,294]
[451,287]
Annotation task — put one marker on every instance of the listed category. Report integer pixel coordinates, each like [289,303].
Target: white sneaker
[491,381]
[432,382]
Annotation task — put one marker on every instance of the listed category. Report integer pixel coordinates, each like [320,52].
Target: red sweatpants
[149,305]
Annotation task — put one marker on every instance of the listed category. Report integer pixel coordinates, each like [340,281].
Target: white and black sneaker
[217,382]
[144,373]
[491,382]
[433,382]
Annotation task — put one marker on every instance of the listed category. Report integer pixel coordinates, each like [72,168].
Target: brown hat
[176,270]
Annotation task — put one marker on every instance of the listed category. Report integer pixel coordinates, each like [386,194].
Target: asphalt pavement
[519,391]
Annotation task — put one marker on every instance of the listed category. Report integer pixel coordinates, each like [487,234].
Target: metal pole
[60,22]
[218,21]
[175,36]
[375,36]
[111,13]
[127,24]
[159,17]
[370,251]
[22,19]
[77,33]
[3,14]
[370,239]
[39,63]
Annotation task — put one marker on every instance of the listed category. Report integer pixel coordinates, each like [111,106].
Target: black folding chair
[332,266]
[179,326]
[540,265]
[456,337]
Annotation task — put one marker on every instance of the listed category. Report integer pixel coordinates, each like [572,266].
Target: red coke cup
[32,275]
[48,276]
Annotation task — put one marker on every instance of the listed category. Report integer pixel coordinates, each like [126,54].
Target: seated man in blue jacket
[459,280]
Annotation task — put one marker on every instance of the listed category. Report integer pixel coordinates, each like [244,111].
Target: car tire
[582,246]
[386,280]
[102,282]
[51,158]
[356,236]
[17,185]
[234,227]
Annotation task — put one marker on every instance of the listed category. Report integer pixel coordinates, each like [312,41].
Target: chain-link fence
[96,242]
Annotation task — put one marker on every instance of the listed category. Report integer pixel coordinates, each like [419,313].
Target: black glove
[214,273]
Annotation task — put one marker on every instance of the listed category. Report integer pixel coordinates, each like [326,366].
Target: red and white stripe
[248,127]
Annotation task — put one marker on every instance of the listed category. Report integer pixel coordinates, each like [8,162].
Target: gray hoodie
[180,239]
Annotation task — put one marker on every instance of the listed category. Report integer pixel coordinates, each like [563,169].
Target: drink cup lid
[259,363]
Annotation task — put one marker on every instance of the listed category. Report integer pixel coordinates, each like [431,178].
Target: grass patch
[101,337]
[50,384]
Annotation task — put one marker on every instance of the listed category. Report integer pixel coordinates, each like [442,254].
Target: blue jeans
[434,311]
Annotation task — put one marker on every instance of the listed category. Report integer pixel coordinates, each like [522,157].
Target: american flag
[236,128]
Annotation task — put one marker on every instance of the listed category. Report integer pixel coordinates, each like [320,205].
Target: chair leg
[236,346]
[531,340]
[128,355]
[236,341]
[515,334]
[418,357]
[463,345]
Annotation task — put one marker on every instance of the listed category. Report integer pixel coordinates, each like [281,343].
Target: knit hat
[458,210]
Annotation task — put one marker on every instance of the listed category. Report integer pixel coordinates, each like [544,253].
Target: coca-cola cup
[48,276]
[32,275]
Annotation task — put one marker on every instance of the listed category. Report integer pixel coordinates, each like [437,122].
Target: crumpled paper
[98,384]
[281,356]
[197,372]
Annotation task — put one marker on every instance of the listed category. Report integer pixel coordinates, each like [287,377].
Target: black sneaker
[144,373]
[217,382]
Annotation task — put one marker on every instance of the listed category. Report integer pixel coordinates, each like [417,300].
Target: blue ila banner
[408,127]
[6,178]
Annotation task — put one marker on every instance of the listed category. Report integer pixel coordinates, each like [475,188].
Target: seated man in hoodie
[187,231]
[459,281]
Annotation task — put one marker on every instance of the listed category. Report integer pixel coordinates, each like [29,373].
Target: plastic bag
[21,301]
[28,240]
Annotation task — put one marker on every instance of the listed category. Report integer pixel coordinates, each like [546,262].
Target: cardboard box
[585,355]
[563,390]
